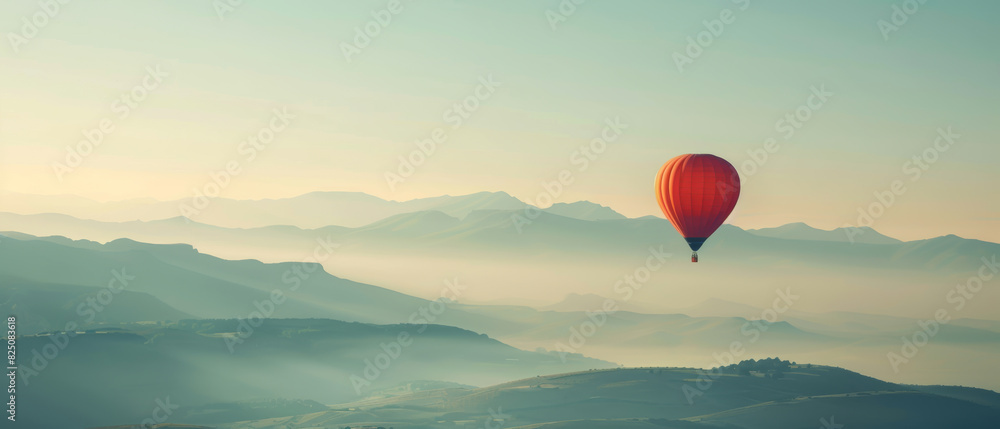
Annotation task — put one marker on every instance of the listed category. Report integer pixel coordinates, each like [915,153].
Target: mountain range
[312,210]
[53,281]
[604,290]
[553,256]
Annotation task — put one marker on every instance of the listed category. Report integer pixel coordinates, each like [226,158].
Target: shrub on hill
[770,367]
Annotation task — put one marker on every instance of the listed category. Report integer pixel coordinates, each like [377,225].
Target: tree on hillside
[768,366]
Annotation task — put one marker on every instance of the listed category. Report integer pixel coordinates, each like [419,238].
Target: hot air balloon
[697,192]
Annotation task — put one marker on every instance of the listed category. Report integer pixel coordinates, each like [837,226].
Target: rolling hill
[667,398]
[116,374]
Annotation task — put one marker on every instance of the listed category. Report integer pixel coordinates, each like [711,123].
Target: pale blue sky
[608,59]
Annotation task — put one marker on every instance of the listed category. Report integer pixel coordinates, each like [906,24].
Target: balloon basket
[694,257]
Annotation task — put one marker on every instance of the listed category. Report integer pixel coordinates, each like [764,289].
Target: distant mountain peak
[418,223]
[803,231]
[334,193]
[497,193]
[574,302]
[584,210]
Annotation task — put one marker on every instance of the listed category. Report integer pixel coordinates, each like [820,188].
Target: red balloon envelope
[697,192]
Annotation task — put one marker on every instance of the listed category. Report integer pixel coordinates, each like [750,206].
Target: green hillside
[659,398]
[115,374]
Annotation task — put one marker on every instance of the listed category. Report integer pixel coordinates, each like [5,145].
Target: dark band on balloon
[695,242]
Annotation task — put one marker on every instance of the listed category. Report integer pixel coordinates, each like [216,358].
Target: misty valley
[241,343]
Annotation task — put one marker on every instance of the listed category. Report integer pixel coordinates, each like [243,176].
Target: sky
[543,80]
